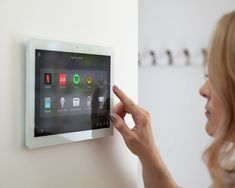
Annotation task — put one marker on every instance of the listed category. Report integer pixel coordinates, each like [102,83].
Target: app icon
[76,101]
[47,102]
[101,101]
[62,101]
[89,100]
[76,79]
[47,78]
[101,81]
[62,79]
[89,79]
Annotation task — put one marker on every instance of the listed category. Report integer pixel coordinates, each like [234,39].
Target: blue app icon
[47,102]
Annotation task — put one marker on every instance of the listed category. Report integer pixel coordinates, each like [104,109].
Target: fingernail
[115,87]
[113,118]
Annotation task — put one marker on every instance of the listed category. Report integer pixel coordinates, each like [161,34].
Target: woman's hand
[139,139]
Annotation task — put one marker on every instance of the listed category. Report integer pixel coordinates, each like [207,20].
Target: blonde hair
[221,69]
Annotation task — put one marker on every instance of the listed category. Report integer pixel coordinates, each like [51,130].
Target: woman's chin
[210,129]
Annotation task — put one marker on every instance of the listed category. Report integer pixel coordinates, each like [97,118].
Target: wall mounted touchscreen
[72,98]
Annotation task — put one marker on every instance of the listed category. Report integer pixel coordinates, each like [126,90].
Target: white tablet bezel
[30,139]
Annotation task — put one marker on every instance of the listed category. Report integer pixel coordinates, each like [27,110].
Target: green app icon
[76,79]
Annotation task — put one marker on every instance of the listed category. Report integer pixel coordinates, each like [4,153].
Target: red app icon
[62,79]
[47,78]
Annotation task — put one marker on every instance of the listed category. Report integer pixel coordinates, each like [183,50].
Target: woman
[219,90]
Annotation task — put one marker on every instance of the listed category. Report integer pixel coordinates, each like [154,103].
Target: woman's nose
[204,91]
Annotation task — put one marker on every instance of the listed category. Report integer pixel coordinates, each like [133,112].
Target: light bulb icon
[62,101]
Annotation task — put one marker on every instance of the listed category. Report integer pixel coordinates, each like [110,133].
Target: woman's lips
[207,113]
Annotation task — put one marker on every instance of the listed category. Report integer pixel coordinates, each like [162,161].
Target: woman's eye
[206,72]
[206,77]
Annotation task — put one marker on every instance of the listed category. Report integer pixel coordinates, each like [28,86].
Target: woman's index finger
[129,105]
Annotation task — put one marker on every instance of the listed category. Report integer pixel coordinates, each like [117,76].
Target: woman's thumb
[120,124]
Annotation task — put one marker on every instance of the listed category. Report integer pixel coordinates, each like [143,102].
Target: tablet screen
[72,92]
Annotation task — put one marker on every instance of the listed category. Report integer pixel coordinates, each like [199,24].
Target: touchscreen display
[72,92]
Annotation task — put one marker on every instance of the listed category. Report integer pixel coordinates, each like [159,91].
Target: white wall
[179,23]
[171,93]
[104,163]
